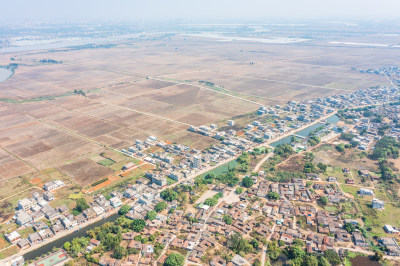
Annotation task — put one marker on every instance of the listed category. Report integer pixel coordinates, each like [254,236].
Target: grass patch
[170,181]
[26,232]
[106,162]
[77,195]
[3,242]
[131,178]
[350,189]
[9,252]
[374,220]
[119,164]
[331,209]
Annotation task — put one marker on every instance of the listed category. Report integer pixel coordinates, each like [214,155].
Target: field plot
[85,171]
[43,146]
[156,86]
[11,166]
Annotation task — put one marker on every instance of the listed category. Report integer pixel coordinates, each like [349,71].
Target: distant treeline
[80,92]
[99,182]
[207,83]
[50,61]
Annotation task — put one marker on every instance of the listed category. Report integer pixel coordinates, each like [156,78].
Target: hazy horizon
[161,10]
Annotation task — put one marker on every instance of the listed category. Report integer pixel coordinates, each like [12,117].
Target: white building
[18,261]
[159,180]
[196,161]
[25,204]
[239,261]
[366,191]
[176,176]
[48,196]
[13,237]
[378,204]
[231,123]
[52,185]
[390,229]
[115,202]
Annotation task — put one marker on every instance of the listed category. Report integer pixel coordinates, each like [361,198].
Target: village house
[47,195]
[13,237]
[366,191]
[52,185]
[378,204]
[115,202]
[25,204]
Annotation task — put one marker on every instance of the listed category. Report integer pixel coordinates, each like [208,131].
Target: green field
[376,219]
[350,189]
[223,169]
[106,162]
[170,181]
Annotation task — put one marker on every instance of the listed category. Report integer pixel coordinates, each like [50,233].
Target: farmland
[152,87]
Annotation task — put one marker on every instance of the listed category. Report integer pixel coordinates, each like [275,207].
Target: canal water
[60,242]
[333,119]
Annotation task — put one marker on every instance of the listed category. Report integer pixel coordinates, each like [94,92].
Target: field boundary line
[295,83]
[18,158]
[145,113]
[71,132]
[209,89]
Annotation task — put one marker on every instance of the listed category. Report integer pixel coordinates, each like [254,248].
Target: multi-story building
[25,204]
[196,161]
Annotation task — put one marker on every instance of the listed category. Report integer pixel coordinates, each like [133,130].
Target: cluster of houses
[392,72]
[279,120]
[46,221]
[367,128]
[37,207]
[178,162]
[320,230]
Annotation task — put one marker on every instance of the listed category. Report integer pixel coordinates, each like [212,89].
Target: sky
[157,10]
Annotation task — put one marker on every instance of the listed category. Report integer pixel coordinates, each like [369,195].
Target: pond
[60,242]
[5,74]
[333,119]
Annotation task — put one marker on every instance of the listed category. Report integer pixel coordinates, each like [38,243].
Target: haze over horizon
[158,10]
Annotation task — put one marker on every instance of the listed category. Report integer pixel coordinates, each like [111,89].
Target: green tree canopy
[160,206]
[174,259]
[273,195]
[324,200]
[211,202]
[67,245]
[247,182]
[239,190]
[227,219]
[273,250]
[310,260]
[81,205]
[151,215]
[349,227]
[168,195]
[332,257]
[138,225]
[119,252]
[124,209]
